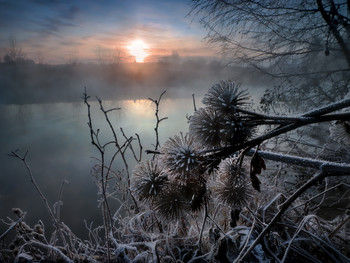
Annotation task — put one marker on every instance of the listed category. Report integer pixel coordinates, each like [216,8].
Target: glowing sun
[139,50]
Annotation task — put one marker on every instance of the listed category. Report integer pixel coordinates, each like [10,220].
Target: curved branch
[335,31]
[320,176]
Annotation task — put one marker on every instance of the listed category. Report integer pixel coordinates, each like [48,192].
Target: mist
[30,83]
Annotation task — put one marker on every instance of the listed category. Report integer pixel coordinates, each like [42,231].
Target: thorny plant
[201,198]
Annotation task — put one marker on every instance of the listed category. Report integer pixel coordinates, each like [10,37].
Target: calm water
[58,141]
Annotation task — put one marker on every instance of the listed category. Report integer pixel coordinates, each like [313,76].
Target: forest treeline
[26,83]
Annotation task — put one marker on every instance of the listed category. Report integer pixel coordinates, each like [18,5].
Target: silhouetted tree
[273,35]
[14,54]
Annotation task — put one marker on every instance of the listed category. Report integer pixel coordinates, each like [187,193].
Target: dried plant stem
[339,227]
[203,225]
[42,196]
[158,120]
[129,140]
[314,197]
[120,149]
[299,228]
[105,206]
[194,103]
[247,239]
[13,225]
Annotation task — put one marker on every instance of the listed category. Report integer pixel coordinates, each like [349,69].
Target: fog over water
[30,83]
[53,128]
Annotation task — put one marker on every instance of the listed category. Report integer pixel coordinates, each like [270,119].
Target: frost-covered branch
[336,168]
[314,116]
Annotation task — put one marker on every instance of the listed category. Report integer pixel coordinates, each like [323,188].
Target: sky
[64,31]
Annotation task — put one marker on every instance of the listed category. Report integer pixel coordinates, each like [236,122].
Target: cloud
[53,25]
[71,12]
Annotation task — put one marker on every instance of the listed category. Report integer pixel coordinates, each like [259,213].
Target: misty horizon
[30,83]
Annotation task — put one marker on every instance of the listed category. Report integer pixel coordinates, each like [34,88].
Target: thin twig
[194,103]
[158,120]
[13,225]
[140,146]
[339,227]
[203,225]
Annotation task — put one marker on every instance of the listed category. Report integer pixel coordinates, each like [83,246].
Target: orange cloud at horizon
[112,47]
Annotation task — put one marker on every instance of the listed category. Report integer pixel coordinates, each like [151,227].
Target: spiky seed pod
[229,167]
[180,156]
[225,96]
[340,132]
[232,192]
[171,204]
[234,131]
[205,127]
[148,180]
[233,186]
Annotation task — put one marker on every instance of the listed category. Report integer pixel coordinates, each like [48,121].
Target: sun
[139,50]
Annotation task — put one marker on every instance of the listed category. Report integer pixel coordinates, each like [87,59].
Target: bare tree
[109,56]
[276,36]
[14,53]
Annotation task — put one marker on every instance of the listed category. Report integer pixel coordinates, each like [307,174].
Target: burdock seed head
[232,187]
[229,167]
[205,126]
[180,156]
[235,130]
[171,205]
[225,97]
[232,192]
[148,180]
